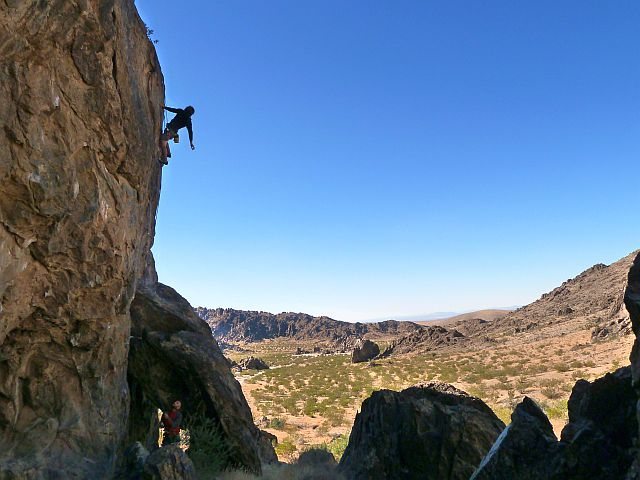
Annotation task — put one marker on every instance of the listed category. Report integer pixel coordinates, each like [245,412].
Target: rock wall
[524,448]
[174,356]
[429,431]
[81,92]
[632,303]
[598,442]
[79,187]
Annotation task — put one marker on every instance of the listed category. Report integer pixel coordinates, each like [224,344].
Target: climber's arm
[190,130]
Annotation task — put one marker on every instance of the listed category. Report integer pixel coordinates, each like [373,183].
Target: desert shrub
[557,410]
[551,388]
[208,449]
[561,367]
[480,391]
[310,407]
[472,378]
[277,423]
[503,413]
[285,448]
[448,375]
[335,416]
[578,374]
[338,445]
[510,370]
[522,383]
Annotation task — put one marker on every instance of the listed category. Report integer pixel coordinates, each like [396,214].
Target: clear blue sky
[369,159]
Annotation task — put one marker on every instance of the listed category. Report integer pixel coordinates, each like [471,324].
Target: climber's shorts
[168,134]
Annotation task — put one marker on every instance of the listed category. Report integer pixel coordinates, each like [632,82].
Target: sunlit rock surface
[81,91]
[80,116]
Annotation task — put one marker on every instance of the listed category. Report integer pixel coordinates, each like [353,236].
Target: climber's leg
[166,136]
[165,152]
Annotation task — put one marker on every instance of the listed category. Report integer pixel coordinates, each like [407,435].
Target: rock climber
[182,119]
[172,422]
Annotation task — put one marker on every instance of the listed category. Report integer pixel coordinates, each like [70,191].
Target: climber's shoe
[163,161]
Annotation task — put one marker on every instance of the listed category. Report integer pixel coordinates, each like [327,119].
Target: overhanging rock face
[81,91]
[632,302]
[80,116]
[174,356]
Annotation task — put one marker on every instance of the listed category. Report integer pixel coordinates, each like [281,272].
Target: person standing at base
[172,422]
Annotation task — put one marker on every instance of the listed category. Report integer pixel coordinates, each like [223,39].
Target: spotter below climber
[172,423]
[182,119]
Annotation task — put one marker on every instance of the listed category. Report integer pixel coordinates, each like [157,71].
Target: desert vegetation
[311,400]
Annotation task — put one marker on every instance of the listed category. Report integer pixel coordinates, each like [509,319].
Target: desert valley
[309,394]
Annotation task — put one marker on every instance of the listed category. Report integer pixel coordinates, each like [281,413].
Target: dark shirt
[182,119]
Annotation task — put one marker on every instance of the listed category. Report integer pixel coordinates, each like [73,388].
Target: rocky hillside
[594,296]
[230,325]
[81,92]
[425,340]
[599,441]
[592,300]
[487,315]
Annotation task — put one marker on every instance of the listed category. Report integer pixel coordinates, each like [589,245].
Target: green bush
[557,409]
[285,448]
[277,423]
[551,388]
[338,445]
[561,367]
[208,449]
[504,414]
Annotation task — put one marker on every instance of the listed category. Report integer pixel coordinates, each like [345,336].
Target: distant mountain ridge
[595,295]
[414,318]
[488,315]
[230,325]
[591,300]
